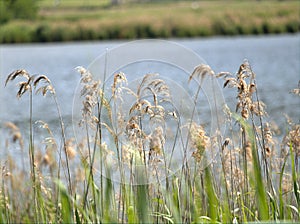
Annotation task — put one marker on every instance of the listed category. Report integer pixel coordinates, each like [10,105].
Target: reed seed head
[120,80]
[48,87]
[17,73]
[157,141]
[201,71]
[91,92]
[292,139]
[15,133]
[245,84]
[199,141]
[248,149]
[70,148]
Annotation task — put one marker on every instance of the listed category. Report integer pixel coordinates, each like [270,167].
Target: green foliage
[4,13]
[257,182]
[295,178]
[17,9]
[66,204]
[15,33]
[281,201]
[211,195]
[73,20]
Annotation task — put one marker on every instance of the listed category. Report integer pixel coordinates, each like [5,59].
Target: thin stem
[62,126]
[31,154]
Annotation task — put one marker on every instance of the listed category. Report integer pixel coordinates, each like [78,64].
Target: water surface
[274,59]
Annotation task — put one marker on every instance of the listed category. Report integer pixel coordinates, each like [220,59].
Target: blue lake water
[275,60]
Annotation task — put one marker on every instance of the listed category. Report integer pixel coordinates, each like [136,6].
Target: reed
[252,178]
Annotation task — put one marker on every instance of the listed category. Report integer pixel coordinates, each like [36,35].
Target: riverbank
[91,20]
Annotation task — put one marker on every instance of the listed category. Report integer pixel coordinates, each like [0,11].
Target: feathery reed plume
[248,150]
[15,133]
[292,139]
[116,88]
[141,105]
[199,141]
[17,73]
[70,148]
[269,142]
[287,184]
[155,87]
[91,92]
[245,104]
[46,88]
[201,71]
[23,86]
[146,79]
[132,127]
[157,141]
[48,159]
[149,109]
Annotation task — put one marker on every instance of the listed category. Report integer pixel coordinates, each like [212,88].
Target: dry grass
[252,178]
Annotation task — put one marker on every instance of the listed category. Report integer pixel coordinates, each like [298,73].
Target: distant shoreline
[177,19]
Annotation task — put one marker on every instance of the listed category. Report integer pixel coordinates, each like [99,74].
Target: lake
[275,60]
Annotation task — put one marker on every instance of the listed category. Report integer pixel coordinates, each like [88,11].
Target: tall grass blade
[274,209]
[77,217]
[281,202]
[2,215]
[131,215]
[142,203]
[108,214]
[295,179]
[258,183]
[211,196]
[142,199]
[175,200]
[66,205]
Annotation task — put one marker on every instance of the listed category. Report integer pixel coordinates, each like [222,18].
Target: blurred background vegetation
[77,20]
[17,9]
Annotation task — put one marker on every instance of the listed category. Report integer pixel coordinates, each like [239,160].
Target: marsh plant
[144,161]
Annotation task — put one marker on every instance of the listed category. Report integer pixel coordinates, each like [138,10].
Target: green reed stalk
[99,108]
[266,165]
[177,134]
[99,132]
[258,183]
[245,192]
[90,175]
[4,211]
[173,200]
[142,199]
[31,153]
[185,166]
[51,89]
[62,126]
[211,196]
[295,179]
[281,202]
